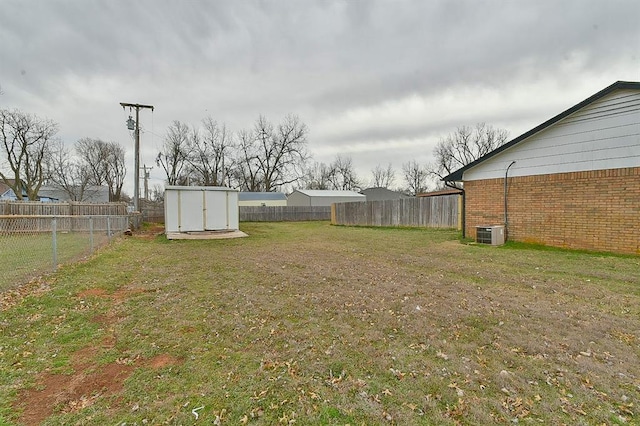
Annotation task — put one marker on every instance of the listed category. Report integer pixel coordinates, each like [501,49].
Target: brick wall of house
[593,210]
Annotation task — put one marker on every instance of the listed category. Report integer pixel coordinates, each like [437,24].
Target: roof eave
[618,85]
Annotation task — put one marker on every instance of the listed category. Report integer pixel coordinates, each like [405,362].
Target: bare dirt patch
[89,382]
[67,393]
[92,292]
[163,360]
[150,232]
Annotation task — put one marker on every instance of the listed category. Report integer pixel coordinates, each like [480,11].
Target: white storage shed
[190,209]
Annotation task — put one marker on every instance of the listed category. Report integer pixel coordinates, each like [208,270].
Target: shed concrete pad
[205,235]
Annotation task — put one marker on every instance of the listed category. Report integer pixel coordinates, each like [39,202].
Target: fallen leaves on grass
[10,298]
[627,338]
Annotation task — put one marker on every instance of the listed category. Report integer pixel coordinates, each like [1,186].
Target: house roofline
[441,192]
[618,85]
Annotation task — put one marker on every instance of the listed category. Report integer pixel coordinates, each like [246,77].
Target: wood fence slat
[431,212]
[37,208]
[284,213]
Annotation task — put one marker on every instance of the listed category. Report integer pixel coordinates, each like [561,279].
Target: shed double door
[203,211]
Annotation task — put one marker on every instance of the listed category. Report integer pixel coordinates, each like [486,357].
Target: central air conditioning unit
[493,235]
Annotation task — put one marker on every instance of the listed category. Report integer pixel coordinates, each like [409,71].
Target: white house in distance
[382,194]
[262,199]
[7,194]
[322,197]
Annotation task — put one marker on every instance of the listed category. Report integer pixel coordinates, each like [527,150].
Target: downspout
[506,191]
[463,206]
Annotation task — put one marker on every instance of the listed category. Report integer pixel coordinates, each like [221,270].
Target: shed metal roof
[329,193]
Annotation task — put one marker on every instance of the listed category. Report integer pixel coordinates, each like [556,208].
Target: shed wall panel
[193,209]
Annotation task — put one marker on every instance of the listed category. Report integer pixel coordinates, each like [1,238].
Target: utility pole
[146,181]
[136,178]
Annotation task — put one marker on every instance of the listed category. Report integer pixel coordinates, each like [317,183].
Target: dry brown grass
[313,324]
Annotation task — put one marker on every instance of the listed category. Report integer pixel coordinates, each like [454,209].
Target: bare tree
[116,171]
[383,178]
[209,153]
[463,146]
[103,162]
[157,193]
[246,172]
[173,157]
[67,173]
[270,157]
[318,176]
[93,157]
[416,177]
[343,176]
[25,142]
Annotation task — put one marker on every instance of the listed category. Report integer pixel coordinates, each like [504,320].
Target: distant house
[90,194]
[321,197]
[7,194]
[573,181]
[382,194]
[441,193]
[262,199]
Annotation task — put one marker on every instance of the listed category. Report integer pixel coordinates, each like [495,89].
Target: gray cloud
[362,74]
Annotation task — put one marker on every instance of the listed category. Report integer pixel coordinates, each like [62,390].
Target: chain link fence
[33,245]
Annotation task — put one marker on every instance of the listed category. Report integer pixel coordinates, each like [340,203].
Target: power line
[136,178]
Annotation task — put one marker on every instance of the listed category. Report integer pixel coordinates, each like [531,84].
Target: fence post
[54,242]
[91,232]
[109,227]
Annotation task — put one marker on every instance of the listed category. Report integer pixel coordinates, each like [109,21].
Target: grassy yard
[30,255]
[308,323]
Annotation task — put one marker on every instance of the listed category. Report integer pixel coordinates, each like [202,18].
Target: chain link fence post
[54,241]
[91,234]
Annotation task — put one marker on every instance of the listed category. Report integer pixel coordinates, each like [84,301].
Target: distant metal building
[382,194]
[320,197]
[257,199]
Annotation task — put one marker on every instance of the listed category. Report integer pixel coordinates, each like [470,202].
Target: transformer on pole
[136,129]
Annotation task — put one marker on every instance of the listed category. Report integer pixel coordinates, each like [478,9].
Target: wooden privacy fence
[284,213]
[155,215]
[428,212]
[16,224]
[37,208]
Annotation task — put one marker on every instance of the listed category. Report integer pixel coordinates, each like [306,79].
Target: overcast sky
[380,81]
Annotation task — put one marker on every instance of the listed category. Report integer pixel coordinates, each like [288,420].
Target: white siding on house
[602,135]
[259,203]
[256,199]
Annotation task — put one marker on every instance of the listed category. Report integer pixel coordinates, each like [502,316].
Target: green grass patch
[309,323]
